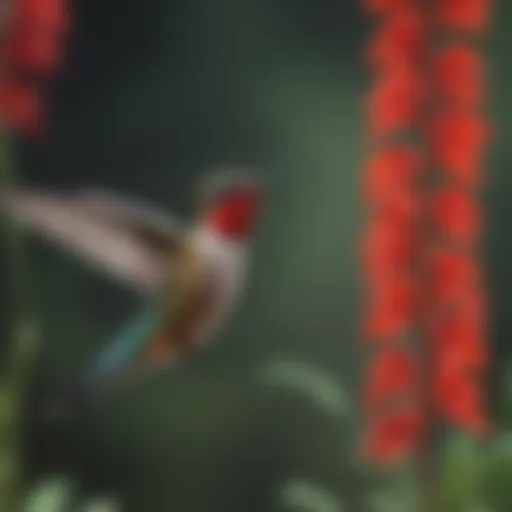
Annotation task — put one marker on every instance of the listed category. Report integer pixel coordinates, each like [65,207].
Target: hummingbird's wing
[156,227]
[127,244]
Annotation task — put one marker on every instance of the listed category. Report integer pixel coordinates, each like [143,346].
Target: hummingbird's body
[192,277]
[209,274]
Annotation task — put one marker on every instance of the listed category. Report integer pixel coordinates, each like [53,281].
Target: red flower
[51,16]
[459,76]
[386,6]
[468,15]
[392,309]
[32,49]
[35,51]
[393,437]
[21,107]
[464,355]
[391,374]
[473,303]
[400,42]
[452,272]
[459,345]
[457,216]
[388,246]
[461,401]
[468,305]
[458,142]
[390,179]
[447,329]
[395,103]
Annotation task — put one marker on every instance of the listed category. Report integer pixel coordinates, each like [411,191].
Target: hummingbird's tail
[69,403]
[113,367]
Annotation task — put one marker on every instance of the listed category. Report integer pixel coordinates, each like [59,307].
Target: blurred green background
[154,94]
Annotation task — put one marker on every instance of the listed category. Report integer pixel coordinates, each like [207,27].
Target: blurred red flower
[393,437]
[457,216]
[48,15]
[392,308]
[458,142]
[451,272]
[390,182]
[400,41]
[32,50]
[474,304]
[392,373]
[21,107]
[459,76]
[467,15]
[461,400]
[388,246]
[459,344]
[464,355]
[395,103]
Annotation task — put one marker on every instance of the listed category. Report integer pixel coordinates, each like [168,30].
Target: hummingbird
[190,275]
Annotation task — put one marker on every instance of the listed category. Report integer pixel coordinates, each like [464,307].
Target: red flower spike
[459,345]
[469,355]
[458,142]
[456,330]
[48,15]
[20,107]
[391,373]
[400,41]
[459,76]
[386,6]
[474,304]
[395,103]
[404,205]
[392,309]
[395,165]
[461,401]
[451,272]
[467,15]
[34,51]
[390,179]
[468,304]
[389,245]
[393,438]
[384,325]
[457,216]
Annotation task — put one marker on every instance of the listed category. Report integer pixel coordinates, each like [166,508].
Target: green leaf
[305,496]
[100,504]
[498,487]
[462,474]
[51,495]
[311,381]
[397,492]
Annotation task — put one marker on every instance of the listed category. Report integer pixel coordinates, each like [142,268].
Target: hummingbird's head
[230,204]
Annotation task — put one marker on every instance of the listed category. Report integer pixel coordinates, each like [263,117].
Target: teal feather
[118,357]
[125,348]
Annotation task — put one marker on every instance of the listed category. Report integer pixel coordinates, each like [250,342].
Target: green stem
[23,349]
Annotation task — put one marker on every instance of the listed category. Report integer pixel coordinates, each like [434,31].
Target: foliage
[472,477]
[59,494]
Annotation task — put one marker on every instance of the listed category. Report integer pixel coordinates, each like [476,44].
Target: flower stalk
[23,350]
[31,50]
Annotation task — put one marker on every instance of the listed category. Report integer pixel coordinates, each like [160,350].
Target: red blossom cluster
[458,138]
[463,15]
[422,273]
[391,189]
[32,44]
